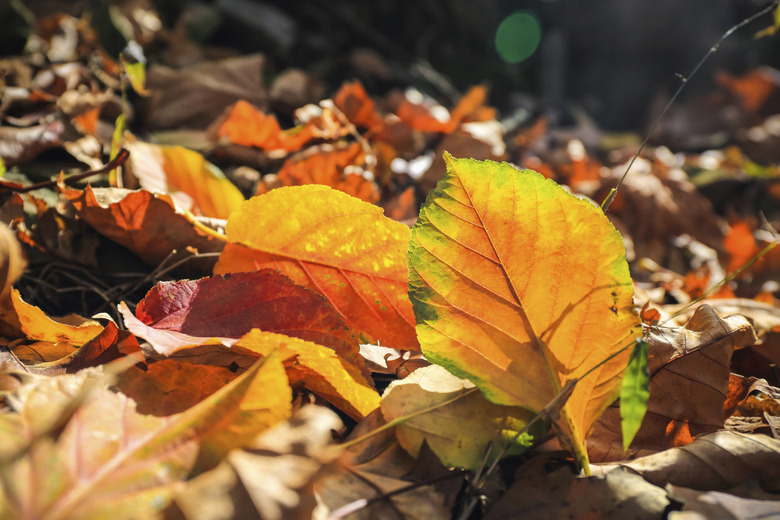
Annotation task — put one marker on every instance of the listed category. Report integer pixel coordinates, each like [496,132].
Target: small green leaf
[634,392]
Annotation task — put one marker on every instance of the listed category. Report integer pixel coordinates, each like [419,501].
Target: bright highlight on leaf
[634,392]
[334,244]
[458,432]
[519,286]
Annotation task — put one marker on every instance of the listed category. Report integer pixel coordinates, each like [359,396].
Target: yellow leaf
[319,369]
[334,244]
[20,319]
[519,286]
[194,183]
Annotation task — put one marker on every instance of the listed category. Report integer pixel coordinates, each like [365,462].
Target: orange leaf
[355,104]
[22,320]
[329,167]
[248,126]
[334,244]
[740,245]
[318,369]
[194,183]
[147,224]
[520,287]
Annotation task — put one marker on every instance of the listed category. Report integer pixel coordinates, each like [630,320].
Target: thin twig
[685,80]
[120,159]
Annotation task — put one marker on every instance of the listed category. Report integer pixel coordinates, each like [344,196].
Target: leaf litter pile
[374,311]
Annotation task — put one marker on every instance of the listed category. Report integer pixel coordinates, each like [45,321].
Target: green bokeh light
[518,36]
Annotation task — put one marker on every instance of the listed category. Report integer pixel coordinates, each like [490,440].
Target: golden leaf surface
[519,286]
[334,244]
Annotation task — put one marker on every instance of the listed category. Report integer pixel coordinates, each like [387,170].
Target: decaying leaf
[689,381]
[376,466]
[715,461]
[334,244]
[273,479]
[519,287]
[539,492]
[458,432]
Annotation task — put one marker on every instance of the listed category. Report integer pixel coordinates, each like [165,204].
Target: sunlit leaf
[519,286]
[194,183]
[245,125]
[634,393]
[230,306]
[329,167]
[22,320]
[319,369]
[334,244]
[458,432]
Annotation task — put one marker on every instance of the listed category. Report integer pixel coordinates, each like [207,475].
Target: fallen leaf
[329,166]
[715,461]
[245,125]
[375,467]
[195,96]
[459,432]
[713,504]
[110,461]
[273,480]
[740,245]
[338,380]
[334,244]
[520,287]
[22,320]
[538,492]
[230,306]
[689,382]
[355,104]
[147,224]
[194,183]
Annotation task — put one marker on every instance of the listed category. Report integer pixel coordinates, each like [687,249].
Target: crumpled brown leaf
[195,96]
[374,467]
[715,461]
[689,382]
[272,479]
[540,492]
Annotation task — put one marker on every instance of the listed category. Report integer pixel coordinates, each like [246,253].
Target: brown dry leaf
[195,96]
[715,461]
[689,382]
[22,320]
[654,208]
[541,492]
[714,504]
[245,125]
[374,467]
[272,480]
[20,145]
[169,386]
[147,224]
